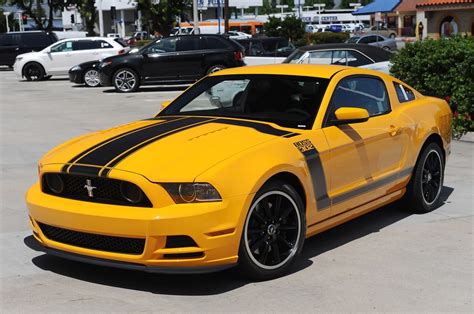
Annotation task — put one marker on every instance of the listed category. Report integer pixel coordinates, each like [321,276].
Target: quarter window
[404,94]
[361,92]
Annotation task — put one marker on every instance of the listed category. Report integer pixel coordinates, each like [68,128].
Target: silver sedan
[375,40]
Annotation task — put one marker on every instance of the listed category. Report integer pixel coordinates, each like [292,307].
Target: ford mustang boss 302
[240,169]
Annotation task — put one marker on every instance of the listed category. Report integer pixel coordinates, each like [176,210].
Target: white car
[59,57]
[238,35]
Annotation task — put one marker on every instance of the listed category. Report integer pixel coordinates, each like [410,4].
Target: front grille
[105,190]
[93,241]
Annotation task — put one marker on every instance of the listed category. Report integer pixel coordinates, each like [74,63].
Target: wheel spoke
[285,213]
[263,256]
[284,241]
[257,244]
[288,227]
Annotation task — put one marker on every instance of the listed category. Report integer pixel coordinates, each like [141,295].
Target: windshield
[289,101]
[295,56]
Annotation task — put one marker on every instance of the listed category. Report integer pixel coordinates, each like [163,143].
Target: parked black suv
[15,43]
[171,60]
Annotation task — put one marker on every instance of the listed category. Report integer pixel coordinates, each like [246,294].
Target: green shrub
[326,38]
[442,68]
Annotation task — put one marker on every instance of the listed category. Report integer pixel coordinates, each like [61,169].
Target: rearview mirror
[346,115]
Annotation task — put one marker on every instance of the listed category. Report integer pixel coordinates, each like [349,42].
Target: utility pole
[226,16]
[101,18]
[195,17]
[6,17]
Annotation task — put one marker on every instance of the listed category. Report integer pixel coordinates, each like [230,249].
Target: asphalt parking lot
[388,260]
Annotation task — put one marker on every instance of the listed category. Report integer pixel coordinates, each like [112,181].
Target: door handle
[394,130]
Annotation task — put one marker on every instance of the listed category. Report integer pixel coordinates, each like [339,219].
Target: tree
[35,11]
[3,22]
[291,27]
[161,17]
[89,14]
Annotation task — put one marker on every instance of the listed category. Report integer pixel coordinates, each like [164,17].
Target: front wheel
[33,72]
[273,233]
[91,78]
[125,81]
[424,189]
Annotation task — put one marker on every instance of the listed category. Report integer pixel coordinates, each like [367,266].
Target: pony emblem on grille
[89,188]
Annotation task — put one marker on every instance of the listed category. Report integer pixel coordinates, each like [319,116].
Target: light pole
[319,6]
[195,17]
[6,17]
[101,18]
[282,7]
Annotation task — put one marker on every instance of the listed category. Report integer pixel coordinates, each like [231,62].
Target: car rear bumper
[215,229]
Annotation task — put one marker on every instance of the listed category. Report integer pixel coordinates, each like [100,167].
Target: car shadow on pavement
[231,279]
[172,88]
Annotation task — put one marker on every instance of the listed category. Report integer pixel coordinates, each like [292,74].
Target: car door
[59,57]
[159,60]
[190,55]
[365,157]
[9,48]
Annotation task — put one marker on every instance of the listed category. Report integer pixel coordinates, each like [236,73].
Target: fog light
[131,192]
[55,183]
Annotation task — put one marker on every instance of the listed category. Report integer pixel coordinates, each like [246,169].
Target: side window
[404,94]
[361,92]
[367,40]
[9,40]
[163,45]
[214,43]
[339,57]
[186,43]
[380,38]
[355,59]
[318,57]
[84,45]
[102,44]
[65,46]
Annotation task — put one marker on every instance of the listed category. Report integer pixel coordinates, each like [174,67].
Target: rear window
[216,43]
[120,42]
[9,39]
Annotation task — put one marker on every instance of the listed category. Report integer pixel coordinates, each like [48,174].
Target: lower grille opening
[184,255]
[173,242]
[93,241]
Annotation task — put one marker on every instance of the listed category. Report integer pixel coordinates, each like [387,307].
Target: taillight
[121,52]
[239,55]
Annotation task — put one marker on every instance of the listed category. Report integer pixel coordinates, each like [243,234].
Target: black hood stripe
[127,153]
[90,149]
[104,154]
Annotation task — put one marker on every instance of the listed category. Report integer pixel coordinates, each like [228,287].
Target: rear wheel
[91,78]
[33,72]
[125,81]
[273,233]
[426,184]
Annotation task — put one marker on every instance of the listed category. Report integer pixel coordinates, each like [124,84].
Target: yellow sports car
[240,169]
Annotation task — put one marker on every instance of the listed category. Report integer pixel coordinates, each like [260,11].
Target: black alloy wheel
[425,186]
[273,233]
[33,72]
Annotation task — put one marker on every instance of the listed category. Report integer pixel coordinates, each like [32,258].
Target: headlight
[192,192]
[104,64]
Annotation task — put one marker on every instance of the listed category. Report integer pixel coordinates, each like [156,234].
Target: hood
[165,149]
[116,58]
[27,54]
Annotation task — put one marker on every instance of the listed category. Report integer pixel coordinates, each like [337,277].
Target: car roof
[322,71]
[264,39]
[373,52]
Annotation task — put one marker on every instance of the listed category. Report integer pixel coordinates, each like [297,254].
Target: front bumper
[214,227]
[76,77]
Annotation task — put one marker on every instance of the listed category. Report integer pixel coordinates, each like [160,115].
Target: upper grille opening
[94,189]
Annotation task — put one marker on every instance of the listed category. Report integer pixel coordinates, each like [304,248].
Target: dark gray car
[374,40]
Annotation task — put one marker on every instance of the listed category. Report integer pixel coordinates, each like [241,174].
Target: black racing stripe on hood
[73,160]
[260,127]
[106,153]
[105,171]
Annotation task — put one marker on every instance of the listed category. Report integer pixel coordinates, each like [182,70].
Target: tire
[425,186]
[33,72]
[273,235]
[215,68]
[125,80]
[91,78]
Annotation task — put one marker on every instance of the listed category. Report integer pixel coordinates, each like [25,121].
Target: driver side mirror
[346,115]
